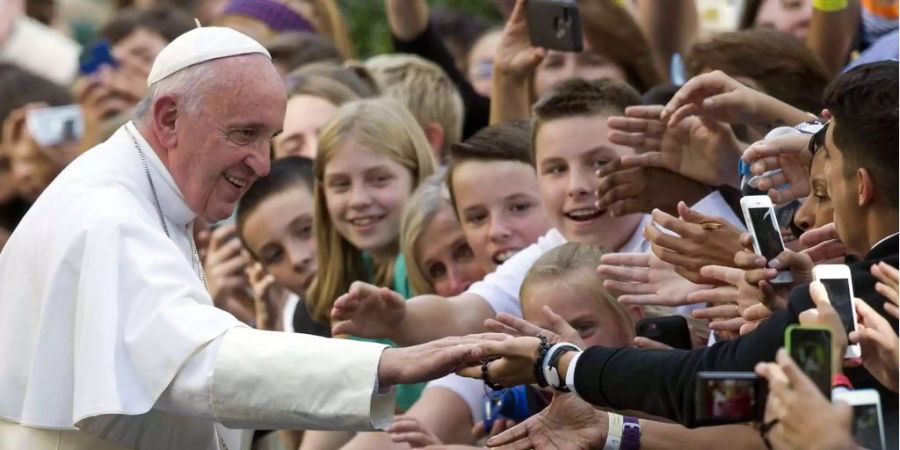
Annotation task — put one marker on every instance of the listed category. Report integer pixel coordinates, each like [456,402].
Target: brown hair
[508,141]
[318,86]
[296,48]
[617,36]
[354,77]
[169,22]
[782,65]
[574,98]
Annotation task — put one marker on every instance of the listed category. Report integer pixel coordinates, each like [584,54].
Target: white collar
[172,203]
[882,240]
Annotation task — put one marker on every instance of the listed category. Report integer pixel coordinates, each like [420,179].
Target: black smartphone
[670,330]
[728,397]
[554,24]
[810,348]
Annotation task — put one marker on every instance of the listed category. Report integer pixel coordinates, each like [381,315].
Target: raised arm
[370,311]
[668,25]
[407,18]
[831,35]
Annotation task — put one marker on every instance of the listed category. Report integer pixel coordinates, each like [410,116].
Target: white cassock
[107,331]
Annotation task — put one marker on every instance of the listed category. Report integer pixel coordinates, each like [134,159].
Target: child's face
[574,300]
[445,257]
[304,117]
[568,153]
[364,193]
[279,232]
[499,208]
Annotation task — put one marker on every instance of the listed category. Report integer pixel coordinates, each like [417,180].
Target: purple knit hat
[275,15]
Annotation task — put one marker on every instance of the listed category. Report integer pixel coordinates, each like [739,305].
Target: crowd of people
[508,214]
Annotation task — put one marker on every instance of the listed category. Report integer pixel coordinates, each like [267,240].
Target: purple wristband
[631,434]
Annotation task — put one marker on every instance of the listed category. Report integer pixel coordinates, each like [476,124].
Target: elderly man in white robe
[108,337]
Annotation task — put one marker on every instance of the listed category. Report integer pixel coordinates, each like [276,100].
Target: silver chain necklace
[198,267]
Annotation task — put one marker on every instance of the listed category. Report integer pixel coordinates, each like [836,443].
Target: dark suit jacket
[662,382]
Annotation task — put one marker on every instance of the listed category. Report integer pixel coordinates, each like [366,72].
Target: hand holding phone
[839,289]
[762,223]
[728,397]
[810,348]
[555,25]
[54,126]
[670,330]
[867,427]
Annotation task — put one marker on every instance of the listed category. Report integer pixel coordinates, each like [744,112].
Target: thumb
[689,215]
[558,325]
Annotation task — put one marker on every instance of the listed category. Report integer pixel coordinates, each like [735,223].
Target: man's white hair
[188,85]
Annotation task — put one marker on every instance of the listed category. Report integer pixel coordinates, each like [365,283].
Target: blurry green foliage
[369,28]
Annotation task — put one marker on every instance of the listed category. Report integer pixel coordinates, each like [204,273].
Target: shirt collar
[637,243]
[172,203]
[882,240]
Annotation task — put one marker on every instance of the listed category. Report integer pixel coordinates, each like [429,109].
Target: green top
[407,394]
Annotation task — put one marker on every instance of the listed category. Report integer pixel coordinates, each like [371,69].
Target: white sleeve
[469,389]
[190,392]
[501,288]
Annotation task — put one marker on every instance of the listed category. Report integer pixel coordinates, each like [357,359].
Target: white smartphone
[836,278]
[868,424]
[56,125]
[762,223]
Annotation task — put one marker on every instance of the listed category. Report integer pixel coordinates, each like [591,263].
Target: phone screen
[767,236]
[811,349]
[838,290]
[729,400]
[866,427]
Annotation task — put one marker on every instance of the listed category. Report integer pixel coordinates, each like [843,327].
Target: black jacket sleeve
[662,382]
[428,45]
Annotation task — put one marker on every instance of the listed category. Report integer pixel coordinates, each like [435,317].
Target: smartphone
[670,330]
[868,424]
[55,125]
[95,57]
[762,223]
[728,397]
[810,347]
[836,278]
[554,24]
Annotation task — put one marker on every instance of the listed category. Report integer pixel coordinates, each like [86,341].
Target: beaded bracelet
[538,369]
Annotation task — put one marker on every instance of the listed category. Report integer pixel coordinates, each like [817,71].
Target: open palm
[568,423]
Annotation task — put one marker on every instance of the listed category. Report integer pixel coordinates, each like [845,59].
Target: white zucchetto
[200,45]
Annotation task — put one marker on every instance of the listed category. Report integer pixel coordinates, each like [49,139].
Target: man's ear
[865,187]
[435,135]
[165,115]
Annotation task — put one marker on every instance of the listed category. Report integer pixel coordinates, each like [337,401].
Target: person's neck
[151,139]
[878,225]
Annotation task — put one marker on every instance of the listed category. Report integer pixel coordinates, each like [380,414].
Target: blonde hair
[382,125]
[569,259]
[428,200]
[424,88]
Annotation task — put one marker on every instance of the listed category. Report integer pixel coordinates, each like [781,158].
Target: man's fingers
[685,229]
[830,249]
[716,312]
[871,319]
[647,300]
[642,342]
[518,433]
[749,260]
[635,140]
[756,312]
[728,275]
[819,296]
[498,327]
[653,112]
[558,325]
[627,274]
[628,288]
[797,379]
[626,259]
[715,296]
[818,235]
[520,325]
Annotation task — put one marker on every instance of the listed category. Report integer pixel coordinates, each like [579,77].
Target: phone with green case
[810,348]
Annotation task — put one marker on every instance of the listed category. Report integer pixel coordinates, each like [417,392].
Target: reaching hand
[225,267]
[410,430]
[568,423]
[436,359]
[790,154]
[725,299]
[879,342]
[643,279]
[500,425]
[803,417]
[515,57]
[823,243]
[641,189]
[702,240]
[269,298]
[516,363]
[702,149]
[826,316]
[367,311]
[560,330]
[887,286]
[713,94]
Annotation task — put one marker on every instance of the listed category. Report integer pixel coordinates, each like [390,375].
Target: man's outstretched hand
[569,423]
[434,359]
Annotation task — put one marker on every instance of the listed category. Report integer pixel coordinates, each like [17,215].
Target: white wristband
[614,431]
